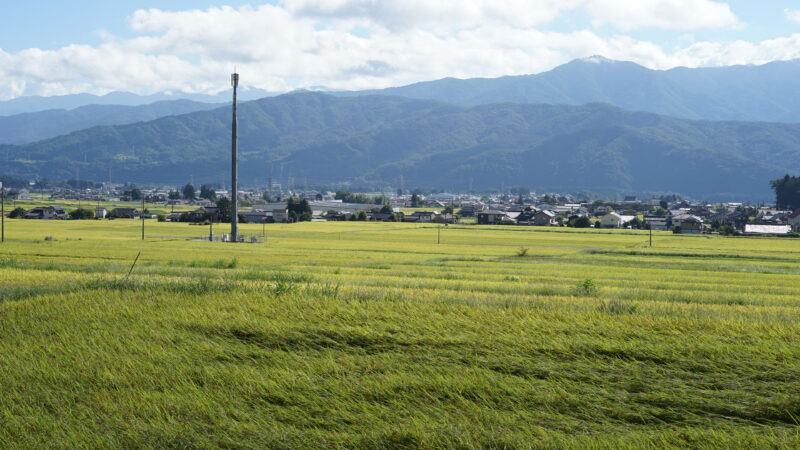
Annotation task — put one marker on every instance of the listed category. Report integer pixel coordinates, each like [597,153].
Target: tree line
[787,192]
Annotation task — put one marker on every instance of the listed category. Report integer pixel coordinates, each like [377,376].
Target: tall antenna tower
[234,164]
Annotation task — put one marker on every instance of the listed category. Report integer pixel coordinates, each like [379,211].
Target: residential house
[470,210]
[658,223]
[735,219]
[544,218]
[176,216]
[690,224]
[124,213]
[22,194]
[46,212]
[615,220]
[381,217]
[256,216]
[334,216]
[794,220]
[444,218]
[319,208]
[420,216]
[526,216]
[490,217]
[280,215]
[444,197]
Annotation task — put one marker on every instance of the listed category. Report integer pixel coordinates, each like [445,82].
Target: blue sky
[53,24]
[58,47]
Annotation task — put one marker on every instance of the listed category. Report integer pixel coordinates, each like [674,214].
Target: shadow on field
[314,339]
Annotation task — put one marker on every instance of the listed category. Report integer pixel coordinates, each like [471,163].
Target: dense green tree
[787,192]
[224,209]
[579,222]
[349,197]
[16,213]
[300,207]
[415,202]
[207,193]
[188,192]
[82,214]
[132,194]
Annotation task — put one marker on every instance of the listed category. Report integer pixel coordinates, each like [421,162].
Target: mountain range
[769,93]
[592,124]
[35,103]
[376,140]
[35,126]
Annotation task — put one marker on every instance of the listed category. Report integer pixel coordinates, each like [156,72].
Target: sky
[73,46]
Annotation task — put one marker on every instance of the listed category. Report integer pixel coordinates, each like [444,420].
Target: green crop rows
[373,335]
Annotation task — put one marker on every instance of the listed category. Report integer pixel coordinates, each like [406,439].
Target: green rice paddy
[353,334]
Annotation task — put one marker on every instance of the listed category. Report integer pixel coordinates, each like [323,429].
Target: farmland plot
[373,335]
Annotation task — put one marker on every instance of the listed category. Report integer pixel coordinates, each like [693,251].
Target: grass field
[358,334]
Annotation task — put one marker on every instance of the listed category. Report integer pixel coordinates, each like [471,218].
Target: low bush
[587,288]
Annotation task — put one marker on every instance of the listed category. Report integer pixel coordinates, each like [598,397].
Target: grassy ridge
[360,334]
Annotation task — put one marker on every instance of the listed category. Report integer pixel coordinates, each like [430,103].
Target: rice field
[354,334]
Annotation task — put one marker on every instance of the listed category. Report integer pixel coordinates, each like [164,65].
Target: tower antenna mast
[234,164]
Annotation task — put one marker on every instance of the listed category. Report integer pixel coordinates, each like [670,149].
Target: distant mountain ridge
[27,104]
[36,126]
[766,93]
[376,140]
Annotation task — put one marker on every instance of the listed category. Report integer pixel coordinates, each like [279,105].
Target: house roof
[767,229]
[691,219]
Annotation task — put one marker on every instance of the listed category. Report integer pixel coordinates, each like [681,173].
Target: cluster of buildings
[680,217]
[656,214]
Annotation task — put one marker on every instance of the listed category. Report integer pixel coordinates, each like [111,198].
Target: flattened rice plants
[363,334]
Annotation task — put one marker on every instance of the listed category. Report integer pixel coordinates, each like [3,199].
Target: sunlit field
[358,334]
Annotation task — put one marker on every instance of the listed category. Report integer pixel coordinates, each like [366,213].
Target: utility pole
[234,163]
[651,234]
[439,235]
[141,216]
[2,213]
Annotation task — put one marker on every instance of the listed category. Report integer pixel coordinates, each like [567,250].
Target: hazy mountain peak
[766,93]
[597,59]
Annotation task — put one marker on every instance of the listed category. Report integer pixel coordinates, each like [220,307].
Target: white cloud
[666,14]
[303,43]
[441,14]
[623,14]
[792,14]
